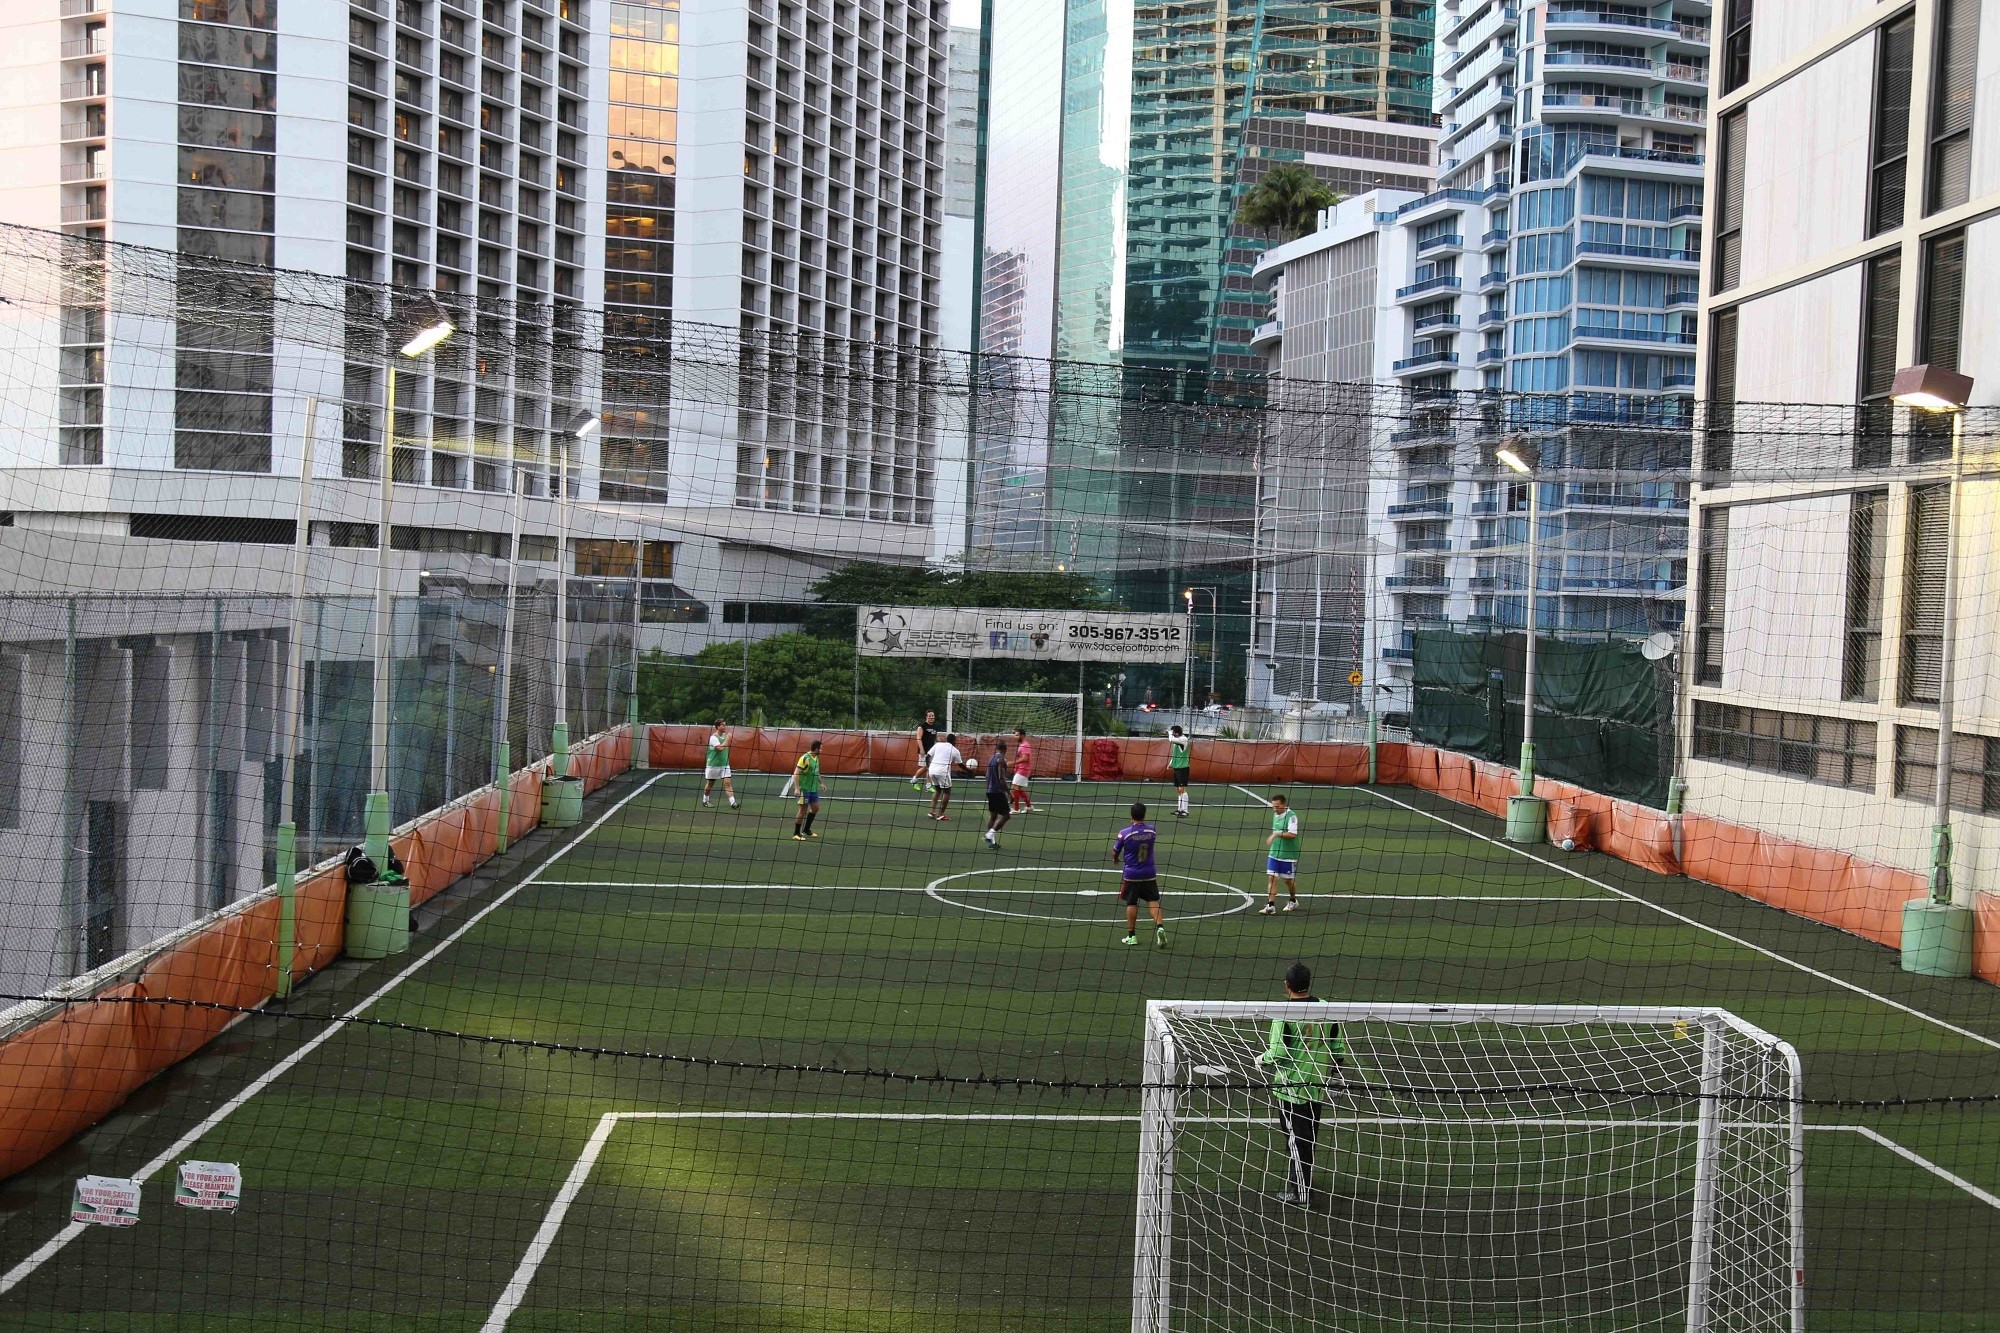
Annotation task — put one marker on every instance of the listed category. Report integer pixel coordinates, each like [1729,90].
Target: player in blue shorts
[1139,878]
[1281,861]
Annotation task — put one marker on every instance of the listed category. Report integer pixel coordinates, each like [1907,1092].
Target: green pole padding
[559,750]
[1937,939]
[1372,735]
[1676,792]
[1941,864]
[288,909]
[562,795]
[641,735]
[1527,819]
[504,779]
[1527,768]
[378,914]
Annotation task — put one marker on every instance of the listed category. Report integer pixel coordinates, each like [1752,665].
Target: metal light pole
[1938,933]
[562,795]
[640,741]
[426,325]
[295,673]
[1527,815]
[503,766]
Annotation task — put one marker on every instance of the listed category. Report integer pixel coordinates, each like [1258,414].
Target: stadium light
[1928,927]
[581,424]
[1513,460]
[425,324]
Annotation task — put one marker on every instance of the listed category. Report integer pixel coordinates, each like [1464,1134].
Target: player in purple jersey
[1139,878]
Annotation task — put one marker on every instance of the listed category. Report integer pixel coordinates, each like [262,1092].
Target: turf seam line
[20,1272]
[1716,931]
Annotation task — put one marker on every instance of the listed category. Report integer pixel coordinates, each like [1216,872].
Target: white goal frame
[1743,1069]
[954,721]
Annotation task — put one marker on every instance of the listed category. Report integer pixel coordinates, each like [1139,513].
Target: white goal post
[1053,721]
[1468,1166]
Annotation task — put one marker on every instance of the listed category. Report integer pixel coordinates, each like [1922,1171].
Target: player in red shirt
[1024,770]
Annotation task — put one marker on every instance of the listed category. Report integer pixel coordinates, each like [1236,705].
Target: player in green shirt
[1303,1059]
[1281,860]
[715,766]
[1179,765]
[805,776]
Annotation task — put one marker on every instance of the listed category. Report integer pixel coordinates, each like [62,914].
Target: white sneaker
[706,801]
[1292,906]
[1267,909]
[732,803]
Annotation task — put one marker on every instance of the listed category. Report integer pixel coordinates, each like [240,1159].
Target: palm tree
[1288,200]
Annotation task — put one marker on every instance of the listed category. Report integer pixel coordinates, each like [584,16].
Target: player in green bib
[1281,860]
[715,765]
[1179,765]
[805,776]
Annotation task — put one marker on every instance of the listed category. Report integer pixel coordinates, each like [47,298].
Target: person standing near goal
[1024,771]
[805,775]
[926,739]
[1180,766]
[1281,855]
[945,759]
[1138,877]
[1302,1058]
[715,765]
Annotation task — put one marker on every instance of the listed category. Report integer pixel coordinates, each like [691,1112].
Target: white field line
[516,1290]
[20,1272]
[1844,984]
[1076,893]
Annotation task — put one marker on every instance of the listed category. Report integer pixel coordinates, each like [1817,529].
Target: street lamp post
[1527,814]
[1937,932]
[562,795]
[1214,644]
[378,919]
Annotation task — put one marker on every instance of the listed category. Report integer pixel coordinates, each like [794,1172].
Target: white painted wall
[1784,31]
[1782,636]
[1802,344]
[30,113]
[1806,164]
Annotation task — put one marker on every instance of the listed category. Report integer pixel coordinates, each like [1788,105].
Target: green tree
[1288,200]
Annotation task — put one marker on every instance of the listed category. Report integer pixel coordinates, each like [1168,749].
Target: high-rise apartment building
[1814,662]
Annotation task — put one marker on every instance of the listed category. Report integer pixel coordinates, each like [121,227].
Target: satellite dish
[1659,646]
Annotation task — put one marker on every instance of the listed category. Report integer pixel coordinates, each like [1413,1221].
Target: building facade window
[1711,595]
[1953,84]
[1736,44]
[1861,671]
[1895,60]
[1730,150]
[1940,333]
[1923,595]
[1718,441]
[1832,750]
[1875,418]
[1975,769]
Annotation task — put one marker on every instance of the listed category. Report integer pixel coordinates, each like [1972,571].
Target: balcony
[1417,583]
[1424,361]
[1420,509]
[1270,331]
[1686,213]
[1448,284]
[1435,322]
[1583,497]
[1625,24]
[1492,356]
[1493,280]
[83,48]
[1495,239]
[1651,254]
[77,90]
[1489,319]
[1440,197]
[1663,164]
[1605,333]
[1436,243]
[95,170]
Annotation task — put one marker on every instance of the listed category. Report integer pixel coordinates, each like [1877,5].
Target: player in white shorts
[945,759]
[1024,771]
[715,765]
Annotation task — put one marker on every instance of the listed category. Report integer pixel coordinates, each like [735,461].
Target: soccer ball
[1568,844]
[972,765]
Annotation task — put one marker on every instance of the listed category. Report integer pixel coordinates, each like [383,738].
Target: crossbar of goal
[1054,722]
[1734,1174]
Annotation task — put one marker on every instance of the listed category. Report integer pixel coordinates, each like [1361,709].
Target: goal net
[1467,1167]
[1053,721]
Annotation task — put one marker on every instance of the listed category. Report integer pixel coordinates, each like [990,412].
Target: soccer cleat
[944,819]
[1267,909]
[1292,906]
[1131,939]
[812,835]
[706,801]
[1180,814]
[1160,938]
[1289,1196]
[733,803]
[798,837]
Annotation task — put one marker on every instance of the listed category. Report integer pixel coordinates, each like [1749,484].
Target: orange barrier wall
[66,1072]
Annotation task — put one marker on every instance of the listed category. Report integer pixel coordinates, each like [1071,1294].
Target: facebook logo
[998,638]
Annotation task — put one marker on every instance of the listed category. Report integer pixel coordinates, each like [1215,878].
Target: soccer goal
[1055,721]
[1470,1167]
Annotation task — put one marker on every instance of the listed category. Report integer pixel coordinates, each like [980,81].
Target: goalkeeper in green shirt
[805,776]
[1181,767]
[1302,1059]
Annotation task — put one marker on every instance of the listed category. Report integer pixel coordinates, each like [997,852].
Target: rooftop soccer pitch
[678,1071]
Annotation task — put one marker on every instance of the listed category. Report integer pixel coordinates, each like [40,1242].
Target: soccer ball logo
[883,631]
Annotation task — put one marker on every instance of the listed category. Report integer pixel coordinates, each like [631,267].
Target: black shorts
[1181,776]
[1132,892]
[996,802]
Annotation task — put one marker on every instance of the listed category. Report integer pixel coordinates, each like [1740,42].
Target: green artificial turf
[396,1176]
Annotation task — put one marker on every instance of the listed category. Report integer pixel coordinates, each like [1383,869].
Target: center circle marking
[935,890]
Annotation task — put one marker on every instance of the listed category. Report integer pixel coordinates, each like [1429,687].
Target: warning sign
[105,1201]
[1354,678]
[216,1186]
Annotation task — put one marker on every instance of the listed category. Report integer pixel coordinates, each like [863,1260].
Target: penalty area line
[516,1291]
[48,1250]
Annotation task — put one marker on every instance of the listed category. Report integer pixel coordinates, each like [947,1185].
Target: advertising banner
[1036,636]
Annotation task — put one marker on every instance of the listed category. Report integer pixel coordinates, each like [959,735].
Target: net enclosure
[1467,1166]
[1054,723]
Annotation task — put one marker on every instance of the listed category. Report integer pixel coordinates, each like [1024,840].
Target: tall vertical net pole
[503,749]
[1707,1149]
[294,711]
[375,828]
[559,741]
